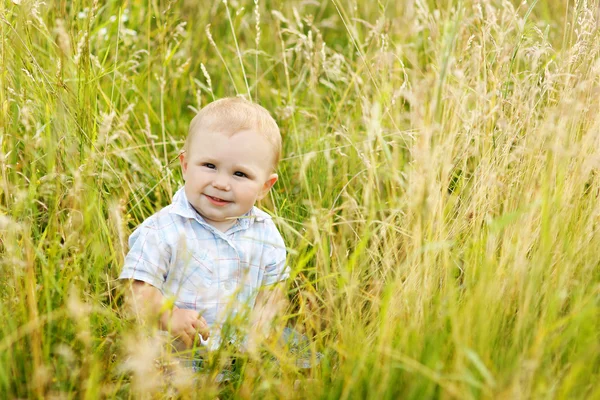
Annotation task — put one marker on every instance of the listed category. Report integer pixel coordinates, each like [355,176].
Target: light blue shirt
[213,272]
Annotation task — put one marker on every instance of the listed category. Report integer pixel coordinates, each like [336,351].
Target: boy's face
[225,174]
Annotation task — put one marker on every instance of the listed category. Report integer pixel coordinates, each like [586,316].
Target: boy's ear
[267,185]
[183,163]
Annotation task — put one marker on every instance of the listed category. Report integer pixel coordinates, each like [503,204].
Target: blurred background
[438,191]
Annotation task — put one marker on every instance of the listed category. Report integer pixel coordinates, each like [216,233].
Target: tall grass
[439,192]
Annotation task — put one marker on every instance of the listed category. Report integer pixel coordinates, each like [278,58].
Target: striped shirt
[202,268]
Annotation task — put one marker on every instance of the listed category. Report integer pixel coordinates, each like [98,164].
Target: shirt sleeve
[148,257]
[276,268]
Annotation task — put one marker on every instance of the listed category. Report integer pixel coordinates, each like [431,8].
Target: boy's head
[232,115]
[230,155]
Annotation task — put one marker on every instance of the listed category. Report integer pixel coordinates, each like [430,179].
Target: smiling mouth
[217,201]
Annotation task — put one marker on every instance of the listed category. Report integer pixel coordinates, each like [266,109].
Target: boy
[211,250]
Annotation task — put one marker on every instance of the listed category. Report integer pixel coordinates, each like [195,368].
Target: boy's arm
[271,302]
[147,302]
[145,267]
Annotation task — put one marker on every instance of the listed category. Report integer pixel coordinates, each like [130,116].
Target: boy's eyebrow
[209,159]
[243,167]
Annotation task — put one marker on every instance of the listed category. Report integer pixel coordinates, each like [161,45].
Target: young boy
[212,250]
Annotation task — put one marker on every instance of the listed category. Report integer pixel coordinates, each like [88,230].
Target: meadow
[439,191]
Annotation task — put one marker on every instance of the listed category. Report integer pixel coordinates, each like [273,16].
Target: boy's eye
[209,165]
[240,174]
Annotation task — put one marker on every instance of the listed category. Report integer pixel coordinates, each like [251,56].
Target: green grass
[439,192]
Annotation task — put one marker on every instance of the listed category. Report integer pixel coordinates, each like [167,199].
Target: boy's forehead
[245,145]
[209,138]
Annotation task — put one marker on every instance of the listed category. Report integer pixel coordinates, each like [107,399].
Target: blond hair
[235,114]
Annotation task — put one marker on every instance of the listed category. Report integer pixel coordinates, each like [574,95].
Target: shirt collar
[181,206]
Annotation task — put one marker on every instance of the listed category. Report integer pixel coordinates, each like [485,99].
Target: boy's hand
[146,301]
[185,325]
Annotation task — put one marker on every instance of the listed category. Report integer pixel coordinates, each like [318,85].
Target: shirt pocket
[196,270]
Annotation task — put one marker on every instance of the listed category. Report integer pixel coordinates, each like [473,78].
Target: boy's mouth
[217,201]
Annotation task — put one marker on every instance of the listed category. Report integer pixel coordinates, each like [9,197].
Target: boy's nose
[221,183]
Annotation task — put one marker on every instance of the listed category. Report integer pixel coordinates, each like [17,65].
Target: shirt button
[228,285]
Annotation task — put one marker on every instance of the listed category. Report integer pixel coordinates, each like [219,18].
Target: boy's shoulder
[262,220]
[266,228]
[260,216]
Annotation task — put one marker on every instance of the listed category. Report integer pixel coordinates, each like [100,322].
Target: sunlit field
[439,192]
